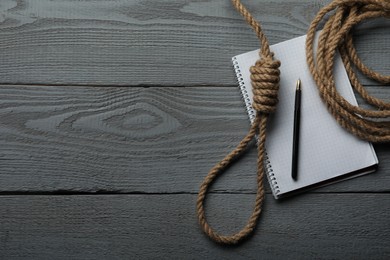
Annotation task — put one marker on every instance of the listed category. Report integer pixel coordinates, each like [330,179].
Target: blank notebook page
[326,150]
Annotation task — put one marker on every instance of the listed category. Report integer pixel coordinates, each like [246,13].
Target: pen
[297,119]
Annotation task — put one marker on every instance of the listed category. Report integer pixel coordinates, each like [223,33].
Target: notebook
[327,152]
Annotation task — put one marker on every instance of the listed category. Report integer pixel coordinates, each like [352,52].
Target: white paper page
[326,150]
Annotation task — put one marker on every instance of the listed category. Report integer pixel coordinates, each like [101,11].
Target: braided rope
[265,83]
[336,34]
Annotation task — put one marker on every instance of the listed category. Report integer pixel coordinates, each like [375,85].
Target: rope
[336,34]
[265,83]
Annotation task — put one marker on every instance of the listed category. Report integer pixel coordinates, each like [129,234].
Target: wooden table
[112,113]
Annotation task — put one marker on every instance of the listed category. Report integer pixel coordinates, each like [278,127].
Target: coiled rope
[265,73]
[336,34]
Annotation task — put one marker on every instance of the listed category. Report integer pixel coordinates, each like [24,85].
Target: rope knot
[265,77]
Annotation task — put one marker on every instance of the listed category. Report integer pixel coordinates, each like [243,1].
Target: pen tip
[298,86]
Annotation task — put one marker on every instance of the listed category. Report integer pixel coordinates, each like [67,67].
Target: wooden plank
[153,140]
[326,226]
[171,42]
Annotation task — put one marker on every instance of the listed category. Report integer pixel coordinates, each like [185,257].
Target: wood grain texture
[172,42]
[118,139]
[313,226]
[58,143]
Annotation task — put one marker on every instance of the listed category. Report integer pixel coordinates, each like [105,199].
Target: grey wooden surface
[112,112]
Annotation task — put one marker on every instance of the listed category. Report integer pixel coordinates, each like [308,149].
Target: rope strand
[265,83]
[363,123]
[265,77]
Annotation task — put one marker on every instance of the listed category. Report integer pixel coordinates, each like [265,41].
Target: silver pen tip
[298,85]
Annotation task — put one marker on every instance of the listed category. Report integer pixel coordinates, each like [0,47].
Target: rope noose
[265,83]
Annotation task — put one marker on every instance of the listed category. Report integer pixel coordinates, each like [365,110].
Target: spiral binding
[244,92]
[252,114]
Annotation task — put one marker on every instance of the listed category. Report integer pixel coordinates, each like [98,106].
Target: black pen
[297,119]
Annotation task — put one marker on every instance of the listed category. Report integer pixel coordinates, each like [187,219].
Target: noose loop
[265,83]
